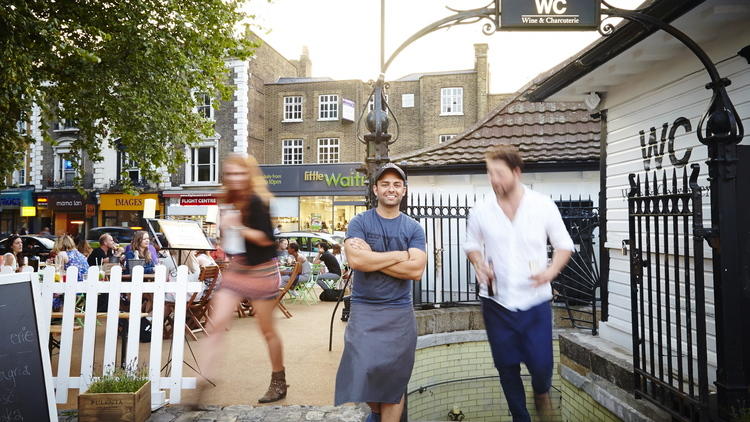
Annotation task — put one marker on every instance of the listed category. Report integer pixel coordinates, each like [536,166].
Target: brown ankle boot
[277,389]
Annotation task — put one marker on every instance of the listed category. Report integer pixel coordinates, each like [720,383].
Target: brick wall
[266,66]
[435,124]
[310,129]
[479,400]
[409,118]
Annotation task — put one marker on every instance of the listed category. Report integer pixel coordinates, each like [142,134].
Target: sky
[343,37]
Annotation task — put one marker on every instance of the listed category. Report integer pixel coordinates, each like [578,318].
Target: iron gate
[449,277]
[576,287]
[666,224]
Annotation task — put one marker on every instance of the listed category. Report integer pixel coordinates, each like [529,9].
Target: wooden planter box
[123,407]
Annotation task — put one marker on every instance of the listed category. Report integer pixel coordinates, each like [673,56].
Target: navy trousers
[515,337]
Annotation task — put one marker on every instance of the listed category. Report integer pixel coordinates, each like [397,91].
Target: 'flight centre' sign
[553,15]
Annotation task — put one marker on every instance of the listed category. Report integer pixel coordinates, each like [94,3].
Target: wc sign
[552,15]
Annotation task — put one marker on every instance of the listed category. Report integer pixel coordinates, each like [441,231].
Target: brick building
[314,120]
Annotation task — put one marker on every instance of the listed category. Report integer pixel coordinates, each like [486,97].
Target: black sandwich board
[26,392]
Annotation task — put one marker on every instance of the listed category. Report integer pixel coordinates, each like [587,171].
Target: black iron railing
[668,306]
[576,288]
[449,278]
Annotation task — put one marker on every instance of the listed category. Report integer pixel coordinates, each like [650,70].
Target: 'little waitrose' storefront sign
[315,179]
[336,179]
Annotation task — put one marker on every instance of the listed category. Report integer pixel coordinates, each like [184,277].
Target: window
[293,109]
[407,100]
[451,101]
[371,104]
[445,138]
[66,172]
[128,165]
[291,151]
[202,165]
[19,176]
[328,150]
[65,124]
[21,127]
[329,107]
[204,108]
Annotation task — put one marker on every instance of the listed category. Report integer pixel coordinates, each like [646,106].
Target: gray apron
[378,358]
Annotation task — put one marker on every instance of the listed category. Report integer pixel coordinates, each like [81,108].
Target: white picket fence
[64,381]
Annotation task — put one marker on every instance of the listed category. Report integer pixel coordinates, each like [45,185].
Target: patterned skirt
[254,282]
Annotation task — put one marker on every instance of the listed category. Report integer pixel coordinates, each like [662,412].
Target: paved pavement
[253,414]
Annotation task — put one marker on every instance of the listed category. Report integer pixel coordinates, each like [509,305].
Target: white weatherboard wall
[554,184]
[658,95]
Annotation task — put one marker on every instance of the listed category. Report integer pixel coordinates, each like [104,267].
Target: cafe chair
[198,308]
[283,291]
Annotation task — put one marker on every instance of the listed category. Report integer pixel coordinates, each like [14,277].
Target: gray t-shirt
[384,235]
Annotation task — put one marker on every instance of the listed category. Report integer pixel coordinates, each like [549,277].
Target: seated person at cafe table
[293,250]
[141,248]
[108,251]
[68,255]
[333,272]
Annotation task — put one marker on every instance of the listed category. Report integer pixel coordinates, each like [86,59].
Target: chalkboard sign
[25,376]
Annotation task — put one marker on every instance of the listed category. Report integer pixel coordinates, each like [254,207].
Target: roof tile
[551,132]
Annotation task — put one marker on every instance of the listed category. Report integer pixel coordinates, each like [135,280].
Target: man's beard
[503,191]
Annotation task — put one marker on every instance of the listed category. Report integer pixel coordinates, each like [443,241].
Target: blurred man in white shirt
[506,243]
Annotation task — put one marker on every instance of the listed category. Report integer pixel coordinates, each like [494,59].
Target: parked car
[308,240]
[123,235]
[32,246]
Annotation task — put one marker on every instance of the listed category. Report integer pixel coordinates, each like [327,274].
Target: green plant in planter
[119,395]
[119,381]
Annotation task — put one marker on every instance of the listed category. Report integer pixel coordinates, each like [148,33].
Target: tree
[121,69]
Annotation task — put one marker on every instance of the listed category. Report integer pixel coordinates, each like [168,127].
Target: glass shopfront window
[344,208]
[316,213]
[328,213]
[122,218]
[285,212]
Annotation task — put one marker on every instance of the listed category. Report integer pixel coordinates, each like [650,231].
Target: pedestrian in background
[386,250]
[253,271]
[12,260]
[506,242]
[141,248]
[333,269]
[83,246]
[70,256]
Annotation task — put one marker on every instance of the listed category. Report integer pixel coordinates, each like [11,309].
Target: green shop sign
[315,179]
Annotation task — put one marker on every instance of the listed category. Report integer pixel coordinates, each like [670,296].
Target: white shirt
[518,248]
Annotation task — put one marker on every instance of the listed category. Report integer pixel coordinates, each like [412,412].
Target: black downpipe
[603,250]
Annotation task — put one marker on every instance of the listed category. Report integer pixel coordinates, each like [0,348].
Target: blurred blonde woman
[253,274]
[68,256]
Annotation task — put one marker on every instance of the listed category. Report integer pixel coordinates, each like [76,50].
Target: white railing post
[178,335]
[113,317]
[157,331]
[134,324]
[90,286]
